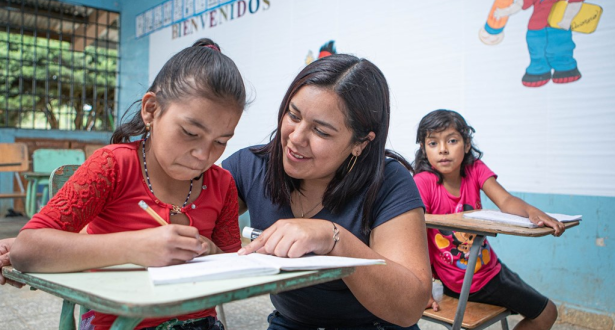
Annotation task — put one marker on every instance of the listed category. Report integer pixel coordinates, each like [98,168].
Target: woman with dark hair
[185,119]
[325,184]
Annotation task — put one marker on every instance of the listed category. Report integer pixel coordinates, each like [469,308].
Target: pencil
[151,212]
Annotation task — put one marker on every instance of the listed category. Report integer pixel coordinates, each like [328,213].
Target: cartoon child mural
[550,48]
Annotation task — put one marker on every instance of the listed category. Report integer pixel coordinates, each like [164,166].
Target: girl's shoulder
[426,177]
[477,167]
[124,154]
[217,174]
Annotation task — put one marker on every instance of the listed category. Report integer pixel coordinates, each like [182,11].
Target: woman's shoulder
[245,158]
[393,167]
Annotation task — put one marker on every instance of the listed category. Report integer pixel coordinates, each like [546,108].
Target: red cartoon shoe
[563,77]
[535,80]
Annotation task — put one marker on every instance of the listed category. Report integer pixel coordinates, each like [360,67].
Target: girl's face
[315,138]
[445,151]
[190,136]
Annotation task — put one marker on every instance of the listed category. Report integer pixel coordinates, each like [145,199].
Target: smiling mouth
[295,155]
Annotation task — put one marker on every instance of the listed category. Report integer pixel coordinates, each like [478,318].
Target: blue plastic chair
[44,162]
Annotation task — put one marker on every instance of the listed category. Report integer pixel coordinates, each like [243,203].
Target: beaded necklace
[175,209]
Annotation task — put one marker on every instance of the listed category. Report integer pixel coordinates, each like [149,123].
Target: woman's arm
[510,204]
[397,292]
[52,250]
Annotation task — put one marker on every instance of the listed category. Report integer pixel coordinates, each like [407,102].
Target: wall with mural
[534,78]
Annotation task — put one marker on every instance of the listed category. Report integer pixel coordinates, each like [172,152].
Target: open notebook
[516,220]
[231,265]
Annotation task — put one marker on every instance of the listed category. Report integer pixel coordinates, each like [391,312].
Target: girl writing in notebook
[185,120]
[449,176]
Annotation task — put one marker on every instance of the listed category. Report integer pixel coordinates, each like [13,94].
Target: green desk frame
[126,291]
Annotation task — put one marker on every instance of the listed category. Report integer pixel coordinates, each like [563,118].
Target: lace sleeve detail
[226,231]
[85,194]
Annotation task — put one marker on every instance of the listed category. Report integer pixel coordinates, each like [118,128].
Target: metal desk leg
[67,318]
[123,322]
[467,281]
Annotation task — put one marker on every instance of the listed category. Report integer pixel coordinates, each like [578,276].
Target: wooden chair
[44,162]
[14,159]
[477,316]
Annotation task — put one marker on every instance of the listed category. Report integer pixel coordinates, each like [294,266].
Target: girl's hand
[432,304]
[540,218]
[211,247]
[167,245]
[293,238]
[5,247]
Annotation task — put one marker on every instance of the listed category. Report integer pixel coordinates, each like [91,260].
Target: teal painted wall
[575,269]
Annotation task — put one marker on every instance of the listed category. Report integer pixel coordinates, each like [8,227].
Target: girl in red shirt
[186,118]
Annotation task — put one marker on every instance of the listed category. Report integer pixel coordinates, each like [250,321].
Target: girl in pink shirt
[449,176]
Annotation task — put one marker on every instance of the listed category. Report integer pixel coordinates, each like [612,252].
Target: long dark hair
[364,93]
[197,71]
[438,121]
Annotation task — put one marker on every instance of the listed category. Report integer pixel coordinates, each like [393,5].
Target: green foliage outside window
[46,84]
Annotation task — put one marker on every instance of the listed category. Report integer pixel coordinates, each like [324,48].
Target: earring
[148,127]
[353,160]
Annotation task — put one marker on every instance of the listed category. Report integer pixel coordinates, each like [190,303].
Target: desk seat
[477,316]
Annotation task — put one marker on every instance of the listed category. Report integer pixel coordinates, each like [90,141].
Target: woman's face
[315,138]
[190,136]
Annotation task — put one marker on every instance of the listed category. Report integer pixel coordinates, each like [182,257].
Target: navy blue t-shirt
[330,304]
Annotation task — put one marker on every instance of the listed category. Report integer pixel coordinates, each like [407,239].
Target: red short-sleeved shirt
[104,194]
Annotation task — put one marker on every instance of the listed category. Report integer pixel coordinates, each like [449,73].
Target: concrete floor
[36,310]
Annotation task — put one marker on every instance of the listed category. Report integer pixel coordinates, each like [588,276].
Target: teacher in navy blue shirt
[326,185]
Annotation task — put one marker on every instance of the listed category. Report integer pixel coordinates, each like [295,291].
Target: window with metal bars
[58,66]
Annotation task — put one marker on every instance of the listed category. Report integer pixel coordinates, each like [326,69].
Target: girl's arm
[510,204]
[5,248]
[397,292]
[52,250]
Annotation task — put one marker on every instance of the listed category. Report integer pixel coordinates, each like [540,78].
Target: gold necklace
[310,210]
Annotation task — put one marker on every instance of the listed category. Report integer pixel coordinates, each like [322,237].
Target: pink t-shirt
[449,250]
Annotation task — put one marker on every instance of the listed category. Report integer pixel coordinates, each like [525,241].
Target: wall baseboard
[583,318]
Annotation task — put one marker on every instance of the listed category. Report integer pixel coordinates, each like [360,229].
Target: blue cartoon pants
[550,49]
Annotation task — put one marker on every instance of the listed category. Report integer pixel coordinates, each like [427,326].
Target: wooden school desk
[481,228]
[127,291]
